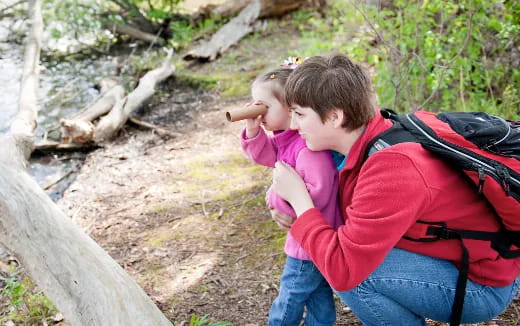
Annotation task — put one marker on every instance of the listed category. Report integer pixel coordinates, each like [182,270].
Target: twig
[241,257]
[379,36]
[11,6]
[154,127]
[204,204]
[461,88]
[47,187]
[154,41]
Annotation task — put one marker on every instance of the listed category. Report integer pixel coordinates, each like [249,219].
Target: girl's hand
[289,185]
[283,221]
[253,125]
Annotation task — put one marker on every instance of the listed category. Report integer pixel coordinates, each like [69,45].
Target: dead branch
[110,92]
[158,129]
[117,117]
[24,123]
[228,35]
[137,34]
[52,146]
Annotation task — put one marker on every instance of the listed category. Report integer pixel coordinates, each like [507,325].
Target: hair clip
[293,62]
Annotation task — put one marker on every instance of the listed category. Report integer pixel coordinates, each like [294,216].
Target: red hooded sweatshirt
[381,200]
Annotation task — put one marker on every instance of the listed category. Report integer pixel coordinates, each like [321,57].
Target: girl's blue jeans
[302,285]
[407,287]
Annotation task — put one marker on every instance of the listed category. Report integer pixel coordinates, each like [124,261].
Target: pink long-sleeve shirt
[316,168]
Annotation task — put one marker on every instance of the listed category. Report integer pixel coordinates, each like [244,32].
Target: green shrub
[446,55]
[23,303]
[443,55]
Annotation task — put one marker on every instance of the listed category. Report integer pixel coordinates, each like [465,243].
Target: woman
[384,278]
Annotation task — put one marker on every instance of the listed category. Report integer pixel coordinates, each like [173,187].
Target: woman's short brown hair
[334,82]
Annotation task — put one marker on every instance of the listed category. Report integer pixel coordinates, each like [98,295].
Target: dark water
[65,86]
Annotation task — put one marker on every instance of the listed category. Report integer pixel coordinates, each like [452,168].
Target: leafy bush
[448,55]
[443,55]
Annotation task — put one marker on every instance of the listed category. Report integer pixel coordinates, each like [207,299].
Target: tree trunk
[77,275]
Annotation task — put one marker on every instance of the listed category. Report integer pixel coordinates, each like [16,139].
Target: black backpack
[486,149]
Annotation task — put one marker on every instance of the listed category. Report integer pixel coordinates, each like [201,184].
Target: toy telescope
[248,112]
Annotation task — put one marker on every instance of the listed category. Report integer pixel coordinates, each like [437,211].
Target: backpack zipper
[492,171]
[507,133]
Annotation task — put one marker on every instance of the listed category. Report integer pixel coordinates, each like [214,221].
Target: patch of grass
[186,227]
[203,321]
[220,175]
[23,303]
[155,273]
[159,208]
[160,237]
[274,247]
[197,81]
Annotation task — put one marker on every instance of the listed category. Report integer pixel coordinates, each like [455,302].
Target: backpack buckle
[428,232]
[441,232]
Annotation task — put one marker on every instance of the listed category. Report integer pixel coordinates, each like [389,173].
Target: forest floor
[186,216]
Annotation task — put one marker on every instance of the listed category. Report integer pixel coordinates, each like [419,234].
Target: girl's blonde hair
[278,77]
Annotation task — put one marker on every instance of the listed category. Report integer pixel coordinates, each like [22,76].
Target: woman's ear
[335,117]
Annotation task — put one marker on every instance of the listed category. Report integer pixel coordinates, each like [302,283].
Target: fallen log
[268,8]
[79,129]
[77,275]
[110,92]
[117,117]
[227,36]
[112,108]
[243,24]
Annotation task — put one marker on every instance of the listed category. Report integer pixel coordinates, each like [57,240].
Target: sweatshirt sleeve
[261,149]
[319,174]
[390,193]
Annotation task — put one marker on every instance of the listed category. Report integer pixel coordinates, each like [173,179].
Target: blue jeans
[407,287]
[302,285]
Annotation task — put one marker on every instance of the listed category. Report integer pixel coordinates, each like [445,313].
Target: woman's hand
[289,185]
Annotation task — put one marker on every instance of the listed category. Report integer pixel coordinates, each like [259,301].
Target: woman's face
[317,134]
[277,116]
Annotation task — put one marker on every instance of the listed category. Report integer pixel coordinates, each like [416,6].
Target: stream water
[65,86]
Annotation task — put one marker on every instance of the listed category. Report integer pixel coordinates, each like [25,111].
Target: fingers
[284,221]
[283,227]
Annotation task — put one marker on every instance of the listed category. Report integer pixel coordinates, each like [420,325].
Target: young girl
[301,284]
